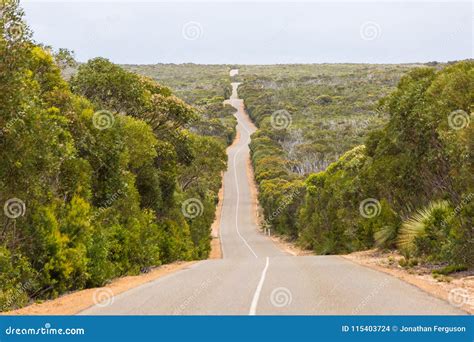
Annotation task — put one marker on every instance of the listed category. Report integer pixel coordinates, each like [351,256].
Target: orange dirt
[257,213]
[78,301]
[216,248]
[375,259]
[420,276]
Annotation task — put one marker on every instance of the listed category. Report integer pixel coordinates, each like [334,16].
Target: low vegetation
[361,163]
[205,87]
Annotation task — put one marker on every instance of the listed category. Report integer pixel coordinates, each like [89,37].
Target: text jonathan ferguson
[435,328]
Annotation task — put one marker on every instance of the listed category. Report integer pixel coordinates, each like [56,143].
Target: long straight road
[256,277]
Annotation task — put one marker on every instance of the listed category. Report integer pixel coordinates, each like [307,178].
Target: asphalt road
[256,277]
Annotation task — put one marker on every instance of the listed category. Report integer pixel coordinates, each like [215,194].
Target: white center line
[256,296]
[237,186]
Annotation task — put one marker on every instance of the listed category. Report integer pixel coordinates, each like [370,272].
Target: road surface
[256,277]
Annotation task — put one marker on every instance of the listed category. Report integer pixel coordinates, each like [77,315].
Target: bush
[450,269]
[425,233]
[99,169]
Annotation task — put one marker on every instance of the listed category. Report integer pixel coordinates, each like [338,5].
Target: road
[256,277]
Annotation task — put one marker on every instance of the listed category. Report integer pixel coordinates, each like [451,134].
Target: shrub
[425,232]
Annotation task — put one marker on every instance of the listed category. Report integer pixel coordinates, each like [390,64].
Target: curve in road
[256,277]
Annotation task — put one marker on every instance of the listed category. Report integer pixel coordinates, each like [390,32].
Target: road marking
[237,186]
[256,296]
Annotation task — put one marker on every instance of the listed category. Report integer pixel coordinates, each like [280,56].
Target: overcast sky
[255,32]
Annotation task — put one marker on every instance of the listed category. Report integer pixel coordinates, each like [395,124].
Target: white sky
[255,32]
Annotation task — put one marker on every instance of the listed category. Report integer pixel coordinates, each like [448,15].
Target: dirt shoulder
[216,247]
[458,288]
[257,212]
[75,302]
[78,301]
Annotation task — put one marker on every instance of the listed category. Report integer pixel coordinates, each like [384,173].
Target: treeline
[205,87]
[191,82]
[105,175]
[316,112]
[410,186]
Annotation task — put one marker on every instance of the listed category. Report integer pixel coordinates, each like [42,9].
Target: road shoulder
[75,302]
[457,289]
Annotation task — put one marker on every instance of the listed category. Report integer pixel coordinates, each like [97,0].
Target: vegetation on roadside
[406,179]
[106,175]
[205,87]
[117,169]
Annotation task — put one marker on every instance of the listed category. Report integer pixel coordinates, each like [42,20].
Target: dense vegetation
[320,111]
[117,169]
[105,175]
[205,87]
[409,185]
[308,116]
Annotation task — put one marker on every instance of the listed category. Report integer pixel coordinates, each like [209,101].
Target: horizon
[277,64]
